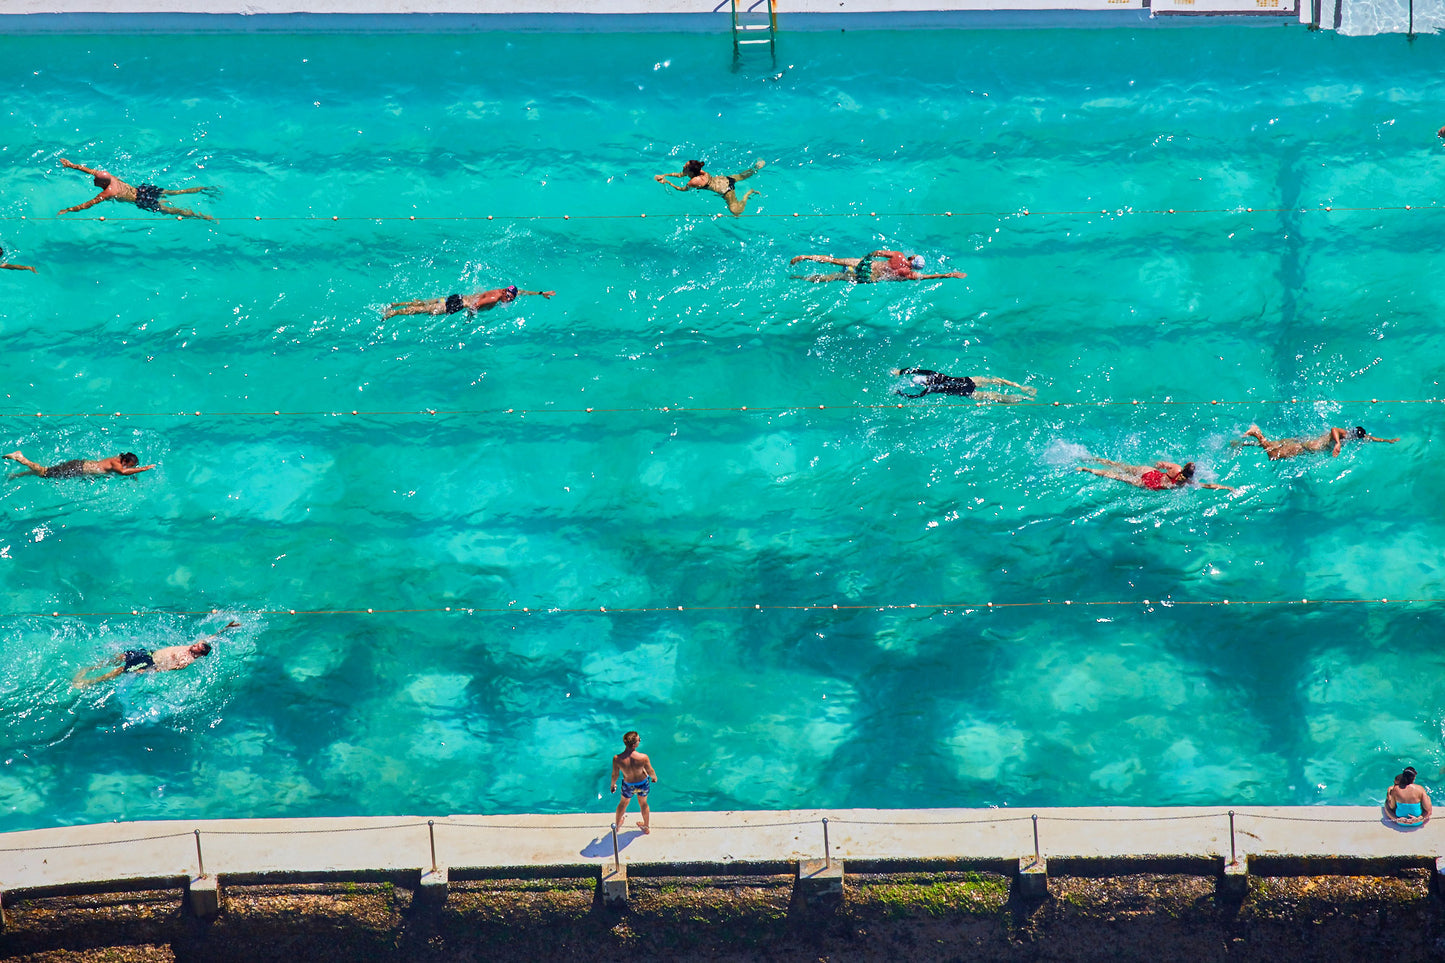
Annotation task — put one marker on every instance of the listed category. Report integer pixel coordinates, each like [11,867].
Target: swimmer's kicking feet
[16,267]
[1289,447]
[933,383]
[700,180]
[152,660]
[881,265]
[147,197]
[126,463]
[470,303]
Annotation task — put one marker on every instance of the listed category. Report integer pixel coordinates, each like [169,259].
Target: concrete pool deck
[624,14]
[1345,840]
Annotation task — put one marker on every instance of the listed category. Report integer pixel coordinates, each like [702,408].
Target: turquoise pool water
[513,496]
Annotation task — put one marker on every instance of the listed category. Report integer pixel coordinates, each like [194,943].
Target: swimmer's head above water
[509,293]
[1360,432]
[917,262]
[1186,472]
[201,648]
[128,459]
[692,168]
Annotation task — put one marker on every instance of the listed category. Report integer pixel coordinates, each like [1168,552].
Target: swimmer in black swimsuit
[933,383]
[700,180]
[452,303]
[16,267]
[147,197]
[147,660]
[126,463]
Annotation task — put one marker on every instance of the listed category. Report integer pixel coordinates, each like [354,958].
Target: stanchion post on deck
[203,893]
[613,880]
[435,884]
[1033,876]
[820,880]
[1234,880]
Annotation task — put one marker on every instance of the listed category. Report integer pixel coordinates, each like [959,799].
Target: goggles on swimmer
[511,290]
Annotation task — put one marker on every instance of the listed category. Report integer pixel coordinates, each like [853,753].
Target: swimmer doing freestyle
[1161,476]
[152,660]
[16,267]
[934,383]
[1289,447]
[126,463]
[875,266]
[452,303]
[147,197]
[700,180]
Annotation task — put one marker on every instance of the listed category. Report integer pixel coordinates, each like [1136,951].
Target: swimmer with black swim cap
[1161,476]
[452,303]
[700,180]
[15,267]
[147,197]
[1290,447]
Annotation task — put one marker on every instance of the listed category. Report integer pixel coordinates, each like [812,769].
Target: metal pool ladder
[748,29]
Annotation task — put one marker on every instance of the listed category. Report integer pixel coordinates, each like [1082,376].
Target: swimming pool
[685,425]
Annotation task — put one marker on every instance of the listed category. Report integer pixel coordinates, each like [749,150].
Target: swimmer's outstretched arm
[929,277]
[74,166]
[1388,441]
[80,207]
[19,267]
[663,179]
[1223,488]
[545,294]
[211,638]
[134,469]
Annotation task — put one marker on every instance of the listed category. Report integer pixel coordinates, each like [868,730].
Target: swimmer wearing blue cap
[878,265]
[452,303]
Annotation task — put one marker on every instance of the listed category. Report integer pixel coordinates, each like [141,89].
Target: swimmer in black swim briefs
[147,197]
[163,659]
[700,180]
[126,463]
[452,303]
[934,383]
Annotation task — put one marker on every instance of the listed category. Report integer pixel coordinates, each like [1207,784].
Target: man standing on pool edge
[637,779]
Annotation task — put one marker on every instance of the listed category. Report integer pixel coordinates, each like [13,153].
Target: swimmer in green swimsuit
[881,265]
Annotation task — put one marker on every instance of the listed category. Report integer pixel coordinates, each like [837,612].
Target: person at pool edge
[452,303]
[700,180]
[1163,475]
[1289,447]
[147,197]
[126,463]
[637,778]
[1407,803]
[15,267]
[880,265]
[165,659]
[934,383]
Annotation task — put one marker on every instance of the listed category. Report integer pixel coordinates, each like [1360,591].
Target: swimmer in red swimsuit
[1163,475]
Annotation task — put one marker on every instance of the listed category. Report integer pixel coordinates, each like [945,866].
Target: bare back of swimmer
[470,303]
[1333,439]
[700,180]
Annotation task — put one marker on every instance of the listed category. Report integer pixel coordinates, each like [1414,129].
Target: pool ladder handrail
[742,28]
